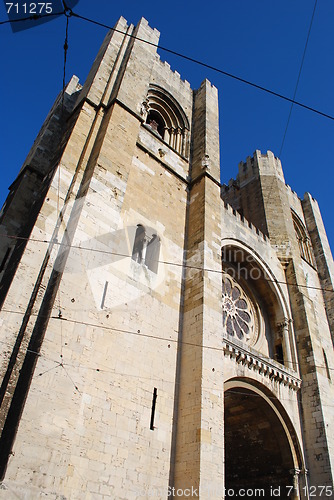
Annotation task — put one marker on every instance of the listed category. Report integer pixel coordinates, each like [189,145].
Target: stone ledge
[270,369]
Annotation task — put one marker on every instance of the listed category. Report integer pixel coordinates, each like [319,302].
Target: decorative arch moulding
[166,118]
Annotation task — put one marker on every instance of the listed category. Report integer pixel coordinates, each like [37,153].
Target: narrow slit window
[326,365]
[154,401]
[104,294]
[5,259]
[146,248]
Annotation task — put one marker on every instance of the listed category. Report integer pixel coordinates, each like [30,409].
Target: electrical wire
[299,74]
[191,59]
[65,59]
[208,66]
[139,333]
[165,262]
[68,13]
[150,379]
[34,17]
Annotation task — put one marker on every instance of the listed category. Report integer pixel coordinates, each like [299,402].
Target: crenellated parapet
[165,67]
[243,222]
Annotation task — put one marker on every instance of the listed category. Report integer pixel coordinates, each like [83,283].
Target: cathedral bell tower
[163,335]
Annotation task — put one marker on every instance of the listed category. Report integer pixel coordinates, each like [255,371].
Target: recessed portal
[257,451]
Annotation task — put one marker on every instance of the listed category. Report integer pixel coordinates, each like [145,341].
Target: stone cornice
[265,367]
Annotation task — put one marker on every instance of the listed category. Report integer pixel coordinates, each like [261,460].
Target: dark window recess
[279,354]
[4,260]
[326,365]
[156,122]
[154,400]
[303,239]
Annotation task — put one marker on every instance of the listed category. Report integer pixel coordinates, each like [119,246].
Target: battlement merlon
[98,76]
[259,164]
[316,229]
[44,151]
[206,131]
[322,254]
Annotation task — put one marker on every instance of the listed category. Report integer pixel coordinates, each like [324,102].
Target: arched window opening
[166,118]
[155,122]
[303,239]
[146,248]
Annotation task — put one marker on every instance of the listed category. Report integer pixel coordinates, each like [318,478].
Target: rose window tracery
[239,316]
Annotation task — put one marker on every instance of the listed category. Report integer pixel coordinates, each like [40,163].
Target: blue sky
[259,40]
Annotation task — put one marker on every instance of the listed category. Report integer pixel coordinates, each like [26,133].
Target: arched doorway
[260,446]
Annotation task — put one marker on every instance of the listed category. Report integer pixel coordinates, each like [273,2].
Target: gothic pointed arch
[254,309]
[261,443]
[166,118]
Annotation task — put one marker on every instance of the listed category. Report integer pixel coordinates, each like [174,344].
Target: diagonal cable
[65,59]
[70,13]
[209,66]
[300,72]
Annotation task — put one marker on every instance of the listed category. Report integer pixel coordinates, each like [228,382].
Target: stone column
[286,343]
[295,478]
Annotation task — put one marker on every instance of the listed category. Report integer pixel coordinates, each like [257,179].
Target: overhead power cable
[70,13]
[166,262]
[34,17]
[141,334]
[299,74]
[137,376]
[209,66]
[64,70]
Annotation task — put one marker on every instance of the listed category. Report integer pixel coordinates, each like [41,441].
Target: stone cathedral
[162,335]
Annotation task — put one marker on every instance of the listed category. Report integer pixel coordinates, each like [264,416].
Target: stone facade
[161,333]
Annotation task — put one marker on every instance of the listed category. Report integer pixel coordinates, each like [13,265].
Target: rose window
[239,317]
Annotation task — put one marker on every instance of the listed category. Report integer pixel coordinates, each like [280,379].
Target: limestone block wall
[103,355]
[27,192]
[199,457]
[86,308]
